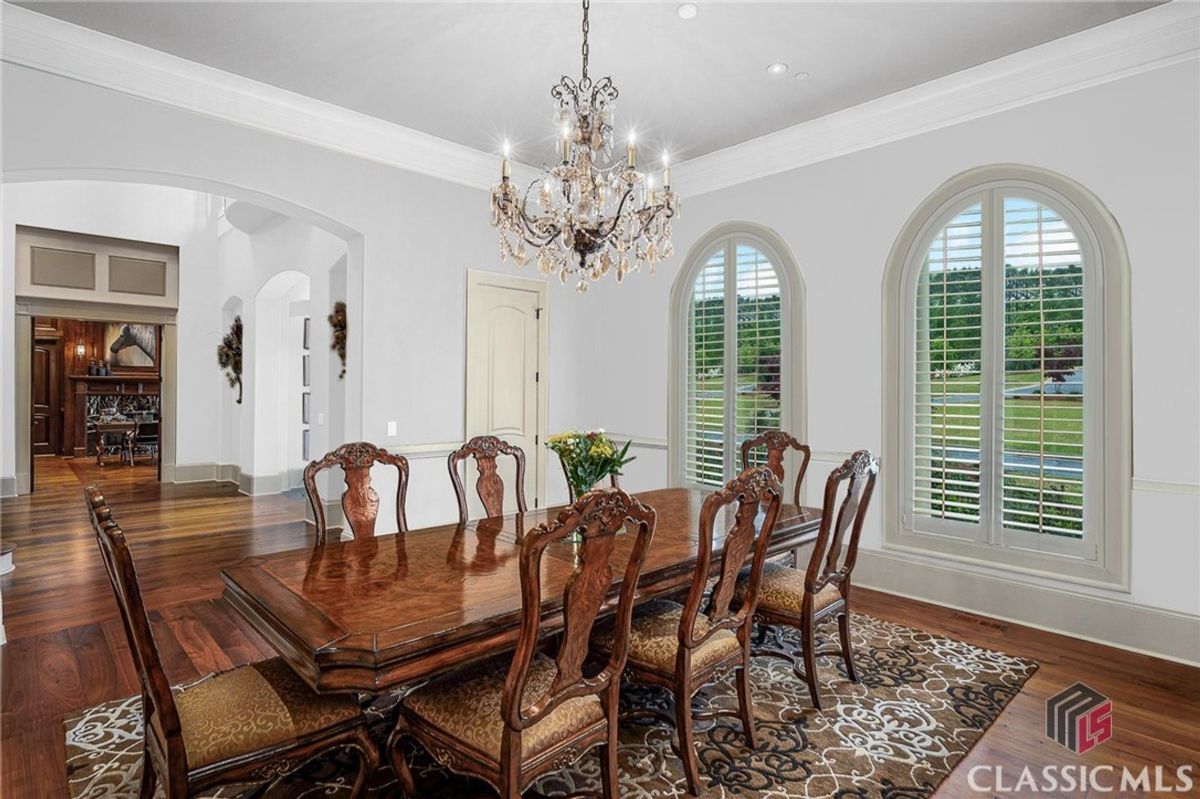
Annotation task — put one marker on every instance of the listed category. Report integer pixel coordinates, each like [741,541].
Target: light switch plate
[320,418]
[391,429]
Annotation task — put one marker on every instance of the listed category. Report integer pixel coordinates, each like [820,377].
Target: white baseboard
[1126,625]
[8,486]
[203,473]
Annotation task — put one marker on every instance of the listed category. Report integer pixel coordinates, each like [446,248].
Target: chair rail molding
[1150,39]
[1157,37]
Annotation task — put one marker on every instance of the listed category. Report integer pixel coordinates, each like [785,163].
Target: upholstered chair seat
[253,708]
[466,705]
[654,639]
[781,590]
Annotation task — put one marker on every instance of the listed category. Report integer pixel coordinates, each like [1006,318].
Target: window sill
[1061,568]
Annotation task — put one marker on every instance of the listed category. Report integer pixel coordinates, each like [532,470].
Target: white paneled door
[506,377]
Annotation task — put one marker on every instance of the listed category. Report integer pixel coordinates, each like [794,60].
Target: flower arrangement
[229,356]
[588,456]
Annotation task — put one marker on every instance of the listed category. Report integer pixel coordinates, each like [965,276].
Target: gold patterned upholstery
[782,590]
[466,705]
[654,639]
[252,708]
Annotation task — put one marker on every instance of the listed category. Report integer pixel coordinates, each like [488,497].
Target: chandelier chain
[586,6]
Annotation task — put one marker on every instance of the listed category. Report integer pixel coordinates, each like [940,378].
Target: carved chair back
[489,485]
[360,501]
[854,482]
[160,716]
[598,516]
[750,491]
[612,480]
[777,443]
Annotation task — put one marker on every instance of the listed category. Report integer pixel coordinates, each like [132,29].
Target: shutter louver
[947,407]
[704,425]
[757,404]
[1042,471]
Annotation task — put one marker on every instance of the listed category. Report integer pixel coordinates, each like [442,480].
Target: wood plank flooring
[66,649]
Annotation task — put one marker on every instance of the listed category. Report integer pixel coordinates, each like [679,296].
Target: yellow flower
[601,449]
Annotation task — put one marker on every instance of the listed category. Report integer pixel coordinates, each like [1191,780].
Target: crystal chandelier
[589,214]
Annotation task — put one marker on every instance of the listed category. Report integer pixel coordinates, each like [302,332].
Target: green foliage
[588,457]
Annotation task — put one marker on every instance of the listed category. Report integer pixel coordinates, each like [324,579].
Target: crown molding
[1150,39]
[61,48]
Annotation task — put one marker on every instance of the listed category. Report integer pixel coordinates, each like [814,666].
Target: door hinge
[537,377]
[537,313]
[537,440]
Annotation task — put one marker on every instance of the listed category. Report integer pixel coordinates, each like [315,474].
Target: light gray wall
[1132,142]
[412,238]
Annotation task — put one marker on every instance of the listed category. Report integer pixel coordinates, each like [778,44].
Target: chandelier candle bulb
[666,171]
[631,152]
[505,170]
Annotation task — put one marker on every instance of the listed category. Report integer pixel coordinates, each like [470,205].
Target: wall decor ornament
[337,320]
[229,355]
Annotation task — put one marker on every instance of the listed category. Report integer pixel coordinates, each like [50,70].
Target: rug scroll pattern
[922,702]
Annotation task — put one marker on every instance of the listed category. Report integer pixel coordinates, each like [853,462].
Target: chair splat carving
[360,501]
[489,485]
[777,443]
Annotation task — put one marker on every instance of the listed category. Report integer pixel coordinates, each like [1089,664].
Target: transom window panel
[734,364]
[999,388]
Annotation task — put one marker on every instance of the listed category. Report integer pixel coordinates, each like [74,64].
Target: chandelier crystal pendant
[590,214]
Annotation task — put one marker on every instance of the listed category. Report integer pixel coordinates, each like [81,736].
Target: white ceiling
[475,73]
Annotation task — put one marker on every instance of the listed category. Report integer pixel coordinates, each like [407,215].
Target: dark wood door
[46,427]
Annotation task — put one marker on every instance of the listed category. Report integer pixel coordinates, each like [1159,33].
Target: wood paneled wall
[69,333]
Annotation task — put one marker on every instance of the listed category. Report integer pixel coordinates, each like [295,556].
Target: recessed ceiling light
[778,68]
[688,10]
[801,75]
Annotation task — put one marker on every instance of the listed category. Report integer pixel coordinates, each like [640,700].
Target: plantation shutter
[948,387]
[759,329]
[1042,464]
[704,422]
[999,377]
[734,374]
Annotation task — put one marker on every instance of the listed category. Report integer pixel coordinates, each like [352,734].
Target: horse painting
[132,345]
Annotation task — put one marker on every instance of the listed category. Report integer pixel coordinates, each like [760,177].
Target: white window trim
[793,360]
[1108,418]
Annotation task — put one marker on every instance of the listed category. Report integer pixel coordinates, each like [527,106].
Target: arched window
[1009,381]
[737,351]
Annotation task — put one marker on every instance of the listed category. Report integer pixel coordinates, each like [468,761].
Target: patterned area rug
[922,703]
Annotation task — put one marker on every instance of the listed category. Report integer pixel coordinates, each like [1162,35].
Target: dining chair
[254,722]
[360,501]
[682,649]
[509,720]
[777,443]
[613,480]
[801,599]
[489,485]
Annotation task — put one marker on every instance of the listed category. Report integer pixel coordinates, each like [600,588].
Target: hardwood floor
[66,650]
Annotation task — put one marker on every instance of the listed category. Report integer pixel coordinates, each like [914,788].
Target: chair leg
[609,778]
[745,701]
[810,661]
[149,776]
[683,729]
[368,760]
[847,652]
[403,775]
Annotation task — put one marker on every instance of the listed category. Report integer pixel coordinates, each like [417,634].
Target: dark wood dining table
[374,613]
